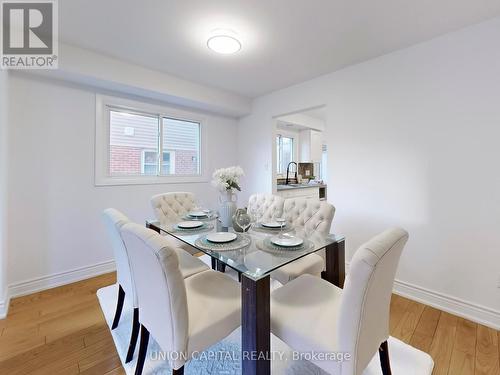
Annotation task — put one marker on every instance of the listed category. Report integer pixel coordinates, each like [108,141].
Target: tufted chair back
[160,287]
[270,205]
[114,220]
[170,207]
[310,215]
[363,318]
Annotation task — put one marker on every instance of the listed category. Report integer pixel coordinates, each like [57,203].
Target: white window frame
[282,135]
[102,176]
[172,159]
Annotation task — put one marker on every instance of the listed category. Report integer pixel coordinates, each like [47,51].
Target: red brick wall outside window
[126,160]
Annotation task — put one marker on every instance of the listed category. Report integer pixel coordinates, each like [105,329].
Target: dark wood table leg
[255,326]
[153,227]
[335,264]
[221,267]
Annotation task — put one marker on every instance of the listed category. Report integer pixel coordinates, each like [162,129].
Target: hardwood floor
[59,331]
[458,346]
[62,331]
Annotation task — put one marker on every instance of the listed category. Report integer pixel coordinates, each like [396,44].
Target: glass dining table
[254,256]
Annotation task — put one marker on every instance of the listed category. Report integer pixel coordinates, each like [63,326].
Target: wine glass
[253,215]
[256,214]
[199,206]
[281,221]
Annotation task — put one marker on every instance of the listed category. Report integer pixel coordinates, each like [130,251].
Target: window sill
[145,180]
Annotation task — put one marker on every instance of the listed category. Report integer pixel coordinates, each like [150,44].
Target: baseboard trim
[4,306]
[476,313]
[456,306]
[62,278]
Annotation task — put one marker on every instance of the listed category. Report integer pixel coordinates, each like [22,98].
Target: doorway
[301,150]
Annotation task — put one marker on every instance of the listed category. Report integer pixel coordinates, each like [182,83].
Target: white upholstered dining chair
[311,217]
[268,205]
[184,315]
[169,207]
[189,265]
[310,314]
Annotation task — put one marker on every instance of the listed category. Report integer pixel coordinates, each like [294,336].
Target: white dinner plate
[287,241]
[197,214]
[273,224]
[190,224]
[221,237]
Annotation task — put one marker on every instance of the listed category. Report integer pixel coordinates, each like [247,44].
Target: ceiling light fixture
[224,42]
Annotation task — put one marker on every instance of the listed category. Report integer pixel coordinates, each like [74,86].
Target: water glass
[244,220]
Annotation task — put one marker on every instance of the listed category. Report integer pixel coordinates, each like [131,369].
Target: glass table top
[253,253]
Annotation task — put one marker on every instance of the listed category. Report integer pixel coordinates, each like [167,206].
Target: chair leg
[143,350]
[179,371]
[383,352]
[119,307]
[133,337]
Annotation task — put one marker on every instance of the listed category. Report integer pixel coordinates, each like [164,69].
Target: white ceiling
[284,41]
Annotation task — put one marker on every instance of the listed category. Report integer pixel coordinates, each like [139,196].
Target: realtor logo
[29,34]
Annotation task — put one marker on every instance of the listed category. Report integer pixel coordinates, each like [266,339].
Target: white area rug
[405,360]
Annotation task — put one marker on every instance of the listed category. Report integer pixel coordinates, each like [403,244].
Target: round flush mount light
[224,42]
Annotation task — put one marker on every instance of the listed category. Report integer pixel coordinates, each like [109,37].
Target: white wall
[54,212]
[83,66]
[413,141]
[3,190]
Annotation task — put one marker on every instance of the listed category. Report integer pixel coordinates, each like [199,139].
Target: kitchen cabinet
[310,146]
[297,192]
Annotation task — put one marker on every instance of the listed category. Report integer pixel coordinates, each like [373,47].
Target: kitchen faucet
[288,170]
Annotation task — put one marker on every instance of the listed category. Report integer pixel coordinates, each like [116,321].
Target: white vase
[227,208]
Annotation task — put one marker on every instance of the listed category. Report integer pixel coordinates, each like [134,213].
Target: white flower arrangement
[227,179]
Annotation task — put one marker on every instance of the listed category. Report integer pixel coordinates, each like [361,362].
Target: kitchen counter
[317,191]
[299,186]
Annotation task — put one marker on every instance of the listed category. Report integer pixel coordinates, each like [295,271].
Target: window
[324,160]
[133,143]
[284,153]
[149,163]
[138,143]
[168,165]
[181,139]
